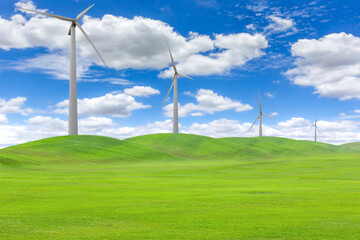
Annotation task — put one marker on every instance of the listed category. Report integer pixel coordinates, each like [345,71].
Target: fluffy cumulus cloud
[112,104]
[207,102]
[3,119]
[139,43]
[141,91]
[233,50]
[279,25]
[330,64]
[294,123]
[14,105]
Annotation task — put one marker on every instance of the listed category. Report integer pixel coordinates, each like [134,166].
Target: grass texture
[179,186]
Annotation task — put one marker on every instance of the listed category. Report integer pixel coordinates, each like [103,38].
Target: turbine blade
[182,75]
[172,84]
[88,38]
[317,128]
[253,123]
[265,115]
[69,33]
[49,14]
[172,59]
[83,12]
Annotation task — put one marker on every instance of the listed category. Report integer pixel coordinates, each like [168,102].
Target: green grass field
[167,186]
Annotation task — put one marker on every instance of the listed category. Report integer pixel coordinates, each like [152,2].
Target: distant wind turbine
[174,83]
[316,129]
[73,115]
[260,118]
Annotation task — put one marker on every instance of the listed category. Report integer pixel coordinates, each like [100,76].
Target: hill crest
[165,146]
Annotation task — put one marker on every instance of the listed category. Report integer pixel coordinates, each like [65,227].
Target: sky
[303,57]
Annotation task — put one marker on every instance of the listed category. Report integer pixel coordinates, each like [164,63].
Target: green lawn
[168,186]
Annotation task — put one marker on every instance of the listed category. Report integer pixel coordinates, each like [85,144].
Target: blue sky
[303,56]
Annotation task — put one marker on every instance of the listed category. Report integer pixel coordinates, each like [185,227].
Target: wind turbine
[316,129]
[174,84]
[260,118]
[73,115]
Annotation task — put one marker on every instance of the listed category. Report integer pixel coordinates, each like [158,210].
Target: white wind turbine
[174,83]
[73,116]
[260,118]
[316,129]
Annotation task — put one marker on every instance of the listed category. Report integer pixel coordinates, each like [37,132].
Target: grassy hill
[179,186]
[76,149]
[71,149]
[353,146]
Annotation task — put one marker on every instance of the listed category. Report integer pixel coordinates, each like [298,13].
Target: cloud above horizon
[330,64]
[139,41]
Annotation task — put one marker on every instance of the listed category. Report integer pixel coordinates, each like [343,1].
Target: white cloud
[50,126]
[235,50]
[55,64]
[116,81]
[150,128]
[346,116]
[138,41]
[279,24]
[3,119]
[116,105]
[12,134]
[141,91]
[294,123]
[14,105]
[38,127]
[207,102]
[274,114]
[334,132]
[258,6]
[220,128]
[47,124]
[250,27]
[270,95]
[27,4]
[197,114]
[330,64]
[92,125]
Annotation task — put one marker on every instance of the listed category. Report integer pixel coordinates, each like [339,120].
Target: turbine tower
[73,115]
[260,118]
[316,129]
[174,84]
